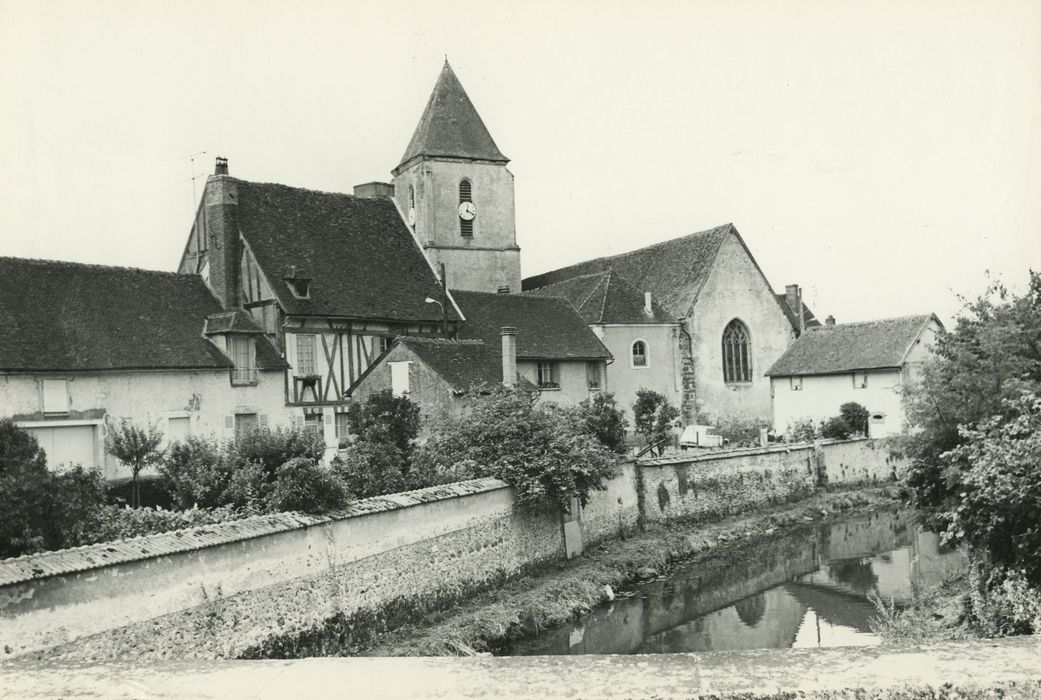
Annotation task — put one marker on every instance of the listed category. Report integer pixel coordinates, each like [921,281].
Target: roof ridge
[906,317]
[50,262]
[441,341]
[307,189]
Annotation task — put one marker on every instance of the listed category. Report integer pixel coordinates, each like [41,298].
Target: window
[385,343]
[240,347]
[55,395]
[305,355]
[549,375]
[737,351]
[343,426]
[639,354]
[796,383]
[466,225]
[859,380]
[399,385]
[313,422]
[245,423]
[178,428]
[593,375]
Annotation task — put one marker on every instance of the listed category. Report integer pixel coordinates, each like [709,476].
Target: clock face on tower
[467,211]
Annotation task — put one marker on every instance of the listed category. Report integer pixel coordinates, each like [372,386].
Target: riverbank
[525,607]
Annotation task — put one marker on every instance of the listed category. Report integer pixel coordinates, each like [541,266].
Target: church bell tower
[457,194]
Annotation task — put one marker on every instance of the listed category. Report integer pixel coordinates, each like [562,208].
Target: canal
[808,588]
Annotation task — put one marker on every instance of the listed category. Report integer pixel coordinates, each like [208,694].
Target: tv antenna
[191,160]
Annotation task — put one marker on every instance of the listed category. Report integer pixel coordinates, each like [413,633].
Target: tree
[380,459]
[544,452]
[24,491]
[654,416]
[604,420]
[385,418]
[990,356]
[136,448]
[855,417]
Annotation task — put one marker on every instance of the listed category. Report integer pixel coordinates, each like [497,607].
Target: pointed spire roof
[450,126]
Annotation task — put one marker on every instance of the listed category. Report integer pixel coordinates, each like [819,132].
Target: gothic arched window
[466,213]
[639,354]
[737,353]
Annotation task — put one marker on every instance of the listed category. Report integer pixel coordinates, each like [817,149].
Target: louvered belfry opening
[737,353]
[466,227]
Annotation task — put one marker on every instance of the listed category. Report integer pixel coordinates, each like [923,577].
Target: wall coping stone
[31,567]
[742,452]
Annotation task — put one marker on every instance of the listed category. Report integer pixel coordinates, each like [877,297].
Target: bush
[602,419]
[25,495]
[248,489]
[302,484]
[386,419]
[654,416]
[77,506]
[272,448]
[372,469]
[856,417]
[801,430]
[835,428]
[381,458]
[543,452]
[197,472]
[120,523]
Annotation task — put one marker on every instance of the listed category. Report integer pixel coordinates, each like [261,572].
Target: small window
[343,426]
[639,354]
[796,383]
[313,423]
[245,423]
[593,376]
[399,384]
[737,353]
[385,343]
[860,380]
[305,355]
[240,348]
[55,396]
[549,375]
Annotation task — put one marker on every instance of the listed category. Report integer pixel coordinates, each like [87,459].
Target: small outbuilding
[872,363]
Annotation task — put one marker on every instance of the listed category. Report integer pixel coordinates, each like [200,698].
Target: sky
[885,155]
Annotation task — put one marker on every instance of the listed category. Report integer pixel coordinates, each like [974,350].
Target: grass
[936,613]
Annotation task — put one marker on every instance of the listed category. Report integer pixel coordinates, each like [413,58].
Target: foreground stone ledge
[1007,668]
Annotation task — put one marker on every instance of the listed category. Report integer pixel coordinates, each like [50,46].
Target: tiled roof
[360,256]
[606,297]
[851,346]
[673,271]
[450,126]
[548,328]
[62,316]
[793,314]
[461,363]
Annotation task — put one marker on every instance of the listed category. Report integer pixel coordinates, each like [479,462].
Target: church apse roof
[673,271]
[606,297]
[451,127]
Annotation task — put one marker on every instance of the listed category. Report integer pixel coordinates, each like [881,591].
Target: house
[507,338]
[732,326]
[331,279]
[86,345]
[641,336]
[872,363]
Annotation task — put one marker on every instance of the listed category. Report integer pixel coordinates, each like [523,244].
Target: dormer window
[299,285]
[243,354]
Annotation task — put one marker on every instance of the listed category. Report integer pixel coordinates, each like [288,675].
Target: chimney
[829,321]
[503,289]
[647,308]
[222,166]
[374,189]
[509,355]
[793,296]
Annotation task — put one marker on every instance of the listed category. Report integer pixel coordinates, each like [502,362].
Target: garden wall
[861,461]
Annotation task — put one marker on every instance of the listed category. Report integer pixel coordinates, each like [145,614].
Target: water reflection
[806,590]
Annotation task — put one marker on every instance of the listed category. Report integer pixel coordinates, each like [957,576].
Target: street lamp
[444,316]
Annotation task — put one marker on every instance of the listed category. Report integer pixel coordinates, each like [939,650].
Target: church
[335,279]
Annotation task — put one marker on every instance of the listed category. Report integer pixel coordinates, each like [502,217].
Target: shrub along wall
[232,588]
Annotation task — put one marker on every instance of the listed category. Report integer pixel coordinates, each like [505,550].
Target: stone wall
[861,461]
[614,511]
[711,486]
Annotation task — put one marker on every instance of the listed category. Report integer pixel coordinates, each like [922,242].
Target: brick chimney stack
[509,355]
[793,296]
[222,166]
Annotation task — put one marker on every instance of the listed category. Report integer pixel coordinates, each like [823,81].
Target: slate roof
[450,126]
[548,328]
[851,346]
[360,256]
[672,271]
[606,297]
[62,316]
[461,363]
[793,314]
